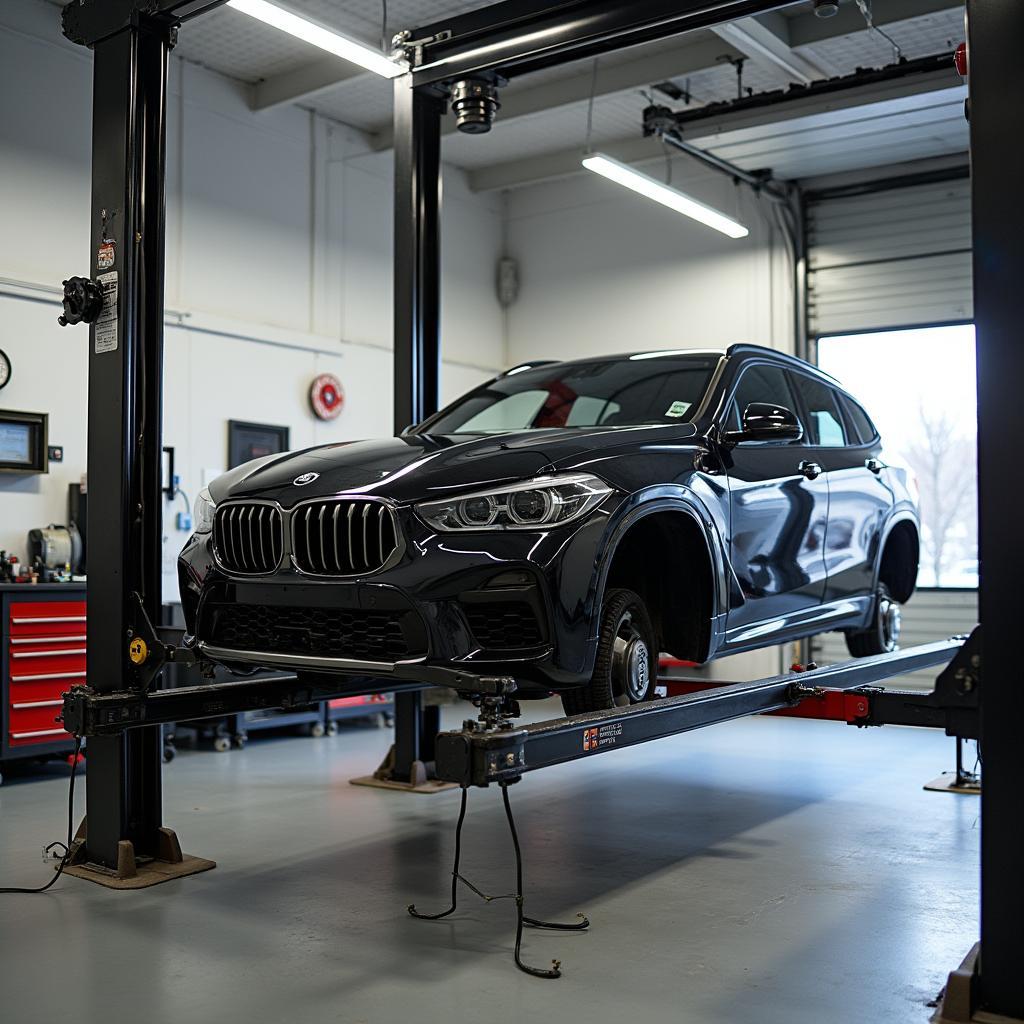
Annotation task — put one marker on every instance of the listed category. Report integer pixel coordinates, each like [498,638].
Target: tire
[883,635]
[625,668]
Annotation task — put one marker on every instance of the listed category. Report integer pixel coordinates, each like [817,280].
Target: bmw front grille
[343,536]
[248,537]
[333,537]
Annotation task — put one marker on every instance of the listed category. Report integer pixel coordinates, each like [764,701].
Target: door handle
[811,470]
[874,465]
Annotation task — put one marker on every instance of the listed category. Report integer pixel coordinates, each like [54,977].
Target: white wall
[279,241]
[605,270]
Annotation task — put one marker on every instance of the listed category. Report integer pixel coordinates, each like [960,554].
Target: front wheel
[883,634]
[624,671]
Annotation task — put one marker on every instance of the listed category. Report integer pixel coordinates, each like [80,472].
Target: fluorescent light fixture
[318,35]
[645,185]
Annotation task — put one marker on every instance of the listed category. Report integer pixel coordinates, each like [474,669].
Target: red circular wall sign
[327,396]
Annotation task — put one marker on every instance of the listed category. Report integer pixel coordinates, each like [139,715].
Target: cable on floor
[67,846]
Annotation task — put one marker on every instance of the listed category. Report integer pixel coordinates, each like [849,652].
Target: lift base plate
[421,777]
[131,873]
[947,783]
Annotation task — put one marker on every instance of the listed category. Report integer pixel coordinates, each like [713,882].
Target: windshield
[622,392]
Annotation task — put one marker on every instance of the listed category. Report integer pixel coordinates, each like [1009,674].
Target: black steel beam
[516,37]
[90,21]
[471,757]
[995,30]
[417,254]
[100,716]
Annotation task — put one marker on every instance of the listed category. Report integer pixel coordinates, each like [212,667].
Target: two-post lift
[123,299]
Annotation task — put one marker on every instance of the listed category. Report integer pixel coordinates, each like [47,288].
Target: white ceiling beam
[303,83]
[767,43]
[807,29]
[532,170]
[640,73]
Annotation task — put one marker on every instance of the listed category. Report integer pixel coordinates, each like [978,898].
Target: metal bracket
[149,653]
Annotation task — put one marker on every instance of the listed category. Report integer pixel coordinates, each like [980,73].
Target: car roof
[738,351]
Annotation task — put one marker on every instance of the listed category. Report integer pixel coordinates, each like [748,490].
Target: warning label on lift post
[106,322]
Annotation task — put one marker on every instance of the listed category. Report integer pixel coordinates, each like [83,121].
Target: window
[507,413]
[628,391]
[825,419]
[919,387]
[863,428]
[760,383]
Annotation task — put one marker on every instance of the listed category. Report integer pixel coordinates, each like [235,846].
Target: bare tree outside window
[919,386]
[943,460]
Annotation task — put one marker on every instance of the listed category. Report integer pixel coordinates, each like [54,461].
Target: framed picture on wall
[247,441]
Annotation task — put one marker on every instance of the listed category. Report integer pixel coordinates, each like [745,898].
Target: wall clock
[327,397]
[5,368]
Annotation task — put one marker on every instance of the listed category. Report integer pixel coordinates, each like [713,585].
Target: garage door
[889,257]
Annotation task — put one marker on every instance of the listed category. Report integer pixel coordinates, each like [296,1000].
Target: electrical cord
[384,26]
[865,9]
[67,846]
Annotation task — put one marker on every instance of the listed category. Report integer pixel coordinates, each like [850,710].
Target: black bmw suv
[562,524]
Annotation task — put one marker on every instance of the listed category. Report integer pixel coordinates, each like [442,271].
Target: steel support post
[417,358]
[123,786]
[995,30]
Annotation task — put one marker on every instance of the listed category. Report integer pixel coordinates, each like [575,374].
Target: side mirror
[764,421]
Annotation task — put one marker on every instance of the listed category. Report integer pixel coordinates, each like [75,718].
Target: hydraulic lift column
[417,356]
[123,787]
[995,31]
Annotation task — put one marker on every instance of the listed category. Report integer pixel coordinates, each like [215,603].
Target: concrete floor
[766,871]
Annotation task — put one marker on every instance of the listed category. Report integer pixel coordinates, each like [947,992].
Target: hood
[418,467]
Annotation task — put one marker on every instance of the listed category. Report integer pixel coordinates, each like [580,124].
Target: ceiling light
[318,35]
[826,8]
[645,185]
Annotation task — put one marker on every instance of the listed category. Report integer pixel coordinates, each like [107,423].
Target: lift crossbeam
[477,757]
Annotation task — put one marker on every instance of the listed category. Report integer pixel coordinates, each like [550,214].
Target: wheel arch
[685,617]
[899,555]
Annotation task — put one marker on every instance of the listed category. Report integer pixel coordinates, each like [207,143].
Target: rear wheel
[624,672]
[883,635]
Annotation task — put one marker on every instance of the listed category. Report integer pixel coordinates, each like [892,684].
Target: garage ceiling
[540,131]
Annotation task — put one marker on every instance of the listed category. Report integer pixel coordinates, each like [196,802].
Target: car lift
[131,40]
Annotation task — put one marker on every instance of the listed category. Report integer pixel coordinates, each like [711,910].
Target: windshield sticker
[678,409]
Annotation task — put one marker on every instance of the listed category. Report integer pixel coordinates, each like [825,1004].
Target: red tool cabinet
[42,640]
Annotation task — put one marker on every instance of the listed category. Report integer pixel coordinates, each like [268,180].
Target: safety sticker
[106,322]
[105,255]
[604,736]
[677,409]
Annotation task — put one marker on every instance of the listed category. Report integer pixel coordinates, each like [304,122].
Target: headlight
[202,515]
[532,504]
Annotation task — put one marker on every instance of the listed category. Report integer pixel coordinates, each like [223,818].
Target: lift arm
[474,756]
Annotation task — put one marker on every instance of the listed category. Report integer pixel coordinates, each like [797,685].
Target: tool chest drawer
[46,618]
[43,656]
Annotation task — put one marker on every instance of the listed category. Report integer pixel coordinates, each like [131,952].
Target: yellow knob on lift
[138,650]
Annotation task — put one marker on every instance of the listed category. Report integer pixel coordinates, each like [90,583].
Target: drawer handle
[48,675]
[47,654]
[49,618]
[47,640]
[37,704]
[38,732]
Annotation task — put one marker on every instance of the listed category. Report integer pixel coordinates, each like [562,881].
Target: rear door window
[825,425]
[859,420]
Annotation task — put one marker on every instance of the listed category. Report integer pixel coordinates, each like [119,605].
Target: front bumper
[455,607]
